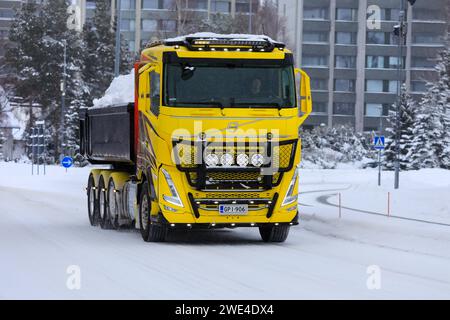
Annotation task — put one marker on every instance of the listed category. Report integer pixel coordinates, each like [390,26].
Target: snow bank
[210,35]
[120,91]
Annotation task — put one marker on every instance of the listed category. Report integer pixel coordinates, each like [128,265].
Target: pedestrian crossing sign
[378,142]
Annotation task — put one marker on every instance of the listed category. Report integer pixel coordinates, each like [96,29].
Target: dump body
[107,135]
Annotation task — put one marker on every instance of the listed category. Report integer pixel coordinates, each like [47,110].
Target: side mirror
[304,93]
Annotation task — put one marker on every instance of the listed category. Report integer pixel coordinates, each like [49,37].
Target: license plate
[233,209]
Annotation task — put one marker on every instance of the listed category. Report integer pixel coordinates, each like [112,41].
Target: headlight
[257,160]
[211,160]
[242,159]
[227,159]
[291,195]
[174,197]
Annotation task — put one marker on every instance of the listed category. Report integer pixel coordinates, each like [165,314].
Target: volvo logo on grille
[232,126]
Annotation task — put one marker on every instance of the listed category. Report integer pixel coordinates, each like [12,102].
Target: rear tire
[273,233]
[112,212]
[92,201]
[151,230]
[103,205]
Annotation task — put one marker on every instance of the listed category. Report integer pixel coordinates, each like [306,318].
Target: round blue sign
[67,162]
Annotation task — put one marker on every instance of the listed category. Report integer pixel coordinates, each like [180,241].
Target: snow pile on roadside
[120,91]
[211,35]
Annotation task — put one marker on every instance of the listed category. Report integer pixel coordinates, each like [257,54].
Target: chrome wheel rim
[91,201]
[101,200]
[112,203]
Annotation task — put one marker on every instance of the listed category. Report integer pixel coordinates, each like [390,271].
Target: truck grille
[188,156]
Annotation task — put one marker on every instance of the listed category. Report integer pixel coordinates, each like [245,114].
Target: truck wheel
[103,205]
[150,231]
[92,201]
[112,212]
[272,233]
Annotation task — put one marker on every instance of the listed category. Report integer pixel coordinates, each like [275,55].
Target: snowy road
[44,229]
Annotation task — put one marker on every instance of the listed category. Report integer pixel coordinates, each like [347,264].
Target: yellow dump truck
[211,140]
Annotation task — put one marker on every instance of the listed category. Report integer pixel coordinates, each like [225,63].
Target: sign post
[378,144]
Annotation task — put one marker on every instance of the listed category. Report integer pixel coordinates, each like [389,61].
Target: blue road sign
[378,142]
[67,162]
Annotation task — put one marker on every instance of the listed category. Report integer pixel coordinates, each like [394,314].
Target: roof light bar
[261,44]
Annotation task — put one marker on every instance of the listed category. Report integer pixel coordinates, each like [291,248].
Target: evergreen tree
[405,126]
[25,57]
[99,39]
[432,128]
[427,131]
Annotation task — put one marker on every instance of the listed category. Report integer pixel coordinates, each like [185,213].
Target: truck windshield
[230,85]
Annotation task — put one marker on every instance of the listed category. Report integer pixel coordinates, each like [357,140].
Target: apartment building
[145,20]
[353,62]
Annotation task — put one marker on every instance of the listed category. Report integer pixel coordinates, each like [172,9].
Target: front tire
[151,231]
[273,233]
[92,202]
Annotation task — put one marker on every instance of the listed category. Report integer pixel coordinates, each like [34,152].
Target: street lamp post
[401,31]
[63,99]
[117,48]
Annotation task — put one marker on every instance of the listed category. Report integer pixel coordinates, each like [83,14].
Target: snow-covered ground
[44,230]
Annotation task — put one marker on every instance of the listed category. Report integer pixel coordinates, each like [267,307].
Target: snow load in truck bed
[120,91]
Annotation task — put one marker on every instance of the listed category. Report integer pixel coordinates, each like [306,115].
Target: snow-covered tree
[25,57]
[404,128]
[431,144]
[427,131]
[326,147]
[99,40]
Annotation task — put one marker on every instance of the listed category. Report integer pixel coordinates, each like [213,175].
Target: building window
[344,108]
[374,62]
[345,61]
[376,37]
[197,4]
[346,14]
[90,4]
[320,13]
[169,25]
[418,86]
[344,85]
[345,37]
[426,38]
[374,85]
[149,4]
[390,14]
[376,109]
[127,24]
[315,61]
[319,84]
[392,88]
[424,14]
[383,62]
[320,107]
[6,13]
[378,86]
[168,4]
[315,36]
[131,46]
[422,62]
[127,5]
[149,25]
[221,6]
